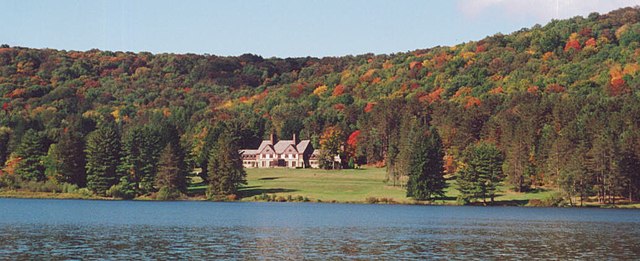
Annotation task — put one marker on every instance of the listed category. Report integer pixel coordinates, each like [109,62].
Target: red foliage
[591,42]
[533,89]
[572,44]
[369,107]
[353,138]
[5,106]
[481,48]
[586,32]
[414,86]
[296,90]
[618,86]
[339,90]
[554,88]
[339,106]
[186,90]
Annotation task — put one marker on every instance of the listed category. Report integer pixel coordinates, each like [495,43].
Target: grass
[349,186]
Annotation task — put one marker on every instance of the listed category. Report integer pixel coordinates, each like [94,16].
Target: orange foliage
[472,101]
[554,88]
[17,93]
[339,90]
[617,87]
[533,89]
[591,42]
[369,107]
[496,90]
[572,44]
[417,65]
[339,107]
[546,56]
[449,164]
[433,96]
[376,80]
[368,76]
[464,91]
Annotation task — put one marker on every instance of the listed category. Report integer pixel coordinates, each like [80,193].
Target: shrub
[69,188]
[123,190]
[371,200]
[166,193]
[10,182]
[85,192]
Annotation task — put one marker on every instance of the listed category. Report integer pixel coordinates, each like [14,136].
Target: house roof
[248,152]
[282,145]
[302,146]
[263,144]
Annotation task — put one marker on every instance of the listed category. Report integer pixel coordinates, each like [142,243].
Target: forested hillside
[560,101]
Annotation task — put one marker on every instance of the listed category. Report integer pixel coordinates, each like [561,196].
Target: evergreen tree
[69,159]
[481,172]
[103,157]
[170,175]
[226,172]
[426,171]
[141,148]
[4,144]
[32,150]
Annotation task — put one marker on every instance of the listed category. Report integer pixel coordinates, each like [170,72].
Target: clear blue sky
[282,28]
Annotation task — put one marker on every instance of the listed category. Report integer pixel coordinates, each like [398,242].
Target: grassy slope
[349,186]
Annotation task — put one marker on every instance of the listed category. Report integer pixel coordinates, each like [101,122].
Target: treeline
[109,159]
[559,102]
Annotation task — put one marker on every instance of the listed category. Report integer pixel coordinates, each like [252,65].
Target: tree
[226,172]
[426,169]
[331,143]
[4,144]
[69,159]
[142,147]
[481,172]
[32,150]
[103,157]
[171,176]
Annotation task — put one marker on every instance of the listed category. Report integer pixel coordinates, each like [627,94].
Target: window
[293,164]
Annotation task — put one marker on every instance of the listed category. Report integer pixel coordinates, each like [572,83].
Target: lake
[124,230]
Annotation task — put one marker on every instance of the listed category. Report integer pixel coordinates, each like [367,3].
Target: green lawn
[347,186]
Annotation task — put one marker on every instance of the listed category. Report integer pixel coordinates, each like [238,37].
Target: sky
[275,28]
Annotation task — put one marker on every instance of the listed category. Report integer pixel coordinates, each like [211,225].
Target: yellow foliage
[630,68]
[467,55]
[320,90]
[116,114]
[621,30]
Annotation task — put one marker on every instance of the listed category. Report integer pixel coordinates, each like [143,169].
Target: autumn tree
[331,145]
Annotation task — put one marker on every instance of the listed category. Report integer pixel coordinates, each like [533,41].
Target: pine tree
[103,157]
[4,144]
[32,150]
[141,148]
[481,172]
[69,158]
[170,174]
[426,171]
[226,172]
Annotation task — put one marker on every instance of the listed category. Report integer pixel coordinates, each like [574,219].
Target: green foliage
[31,152]
[103,157]
[167,193]
[124,189]
[426,166]
[226,172]
[141,149]
[67,159]
[481,172]
[171,173]
[4,144]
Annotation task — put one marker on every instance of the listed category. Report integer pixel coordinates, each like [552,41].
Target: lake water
[124,230]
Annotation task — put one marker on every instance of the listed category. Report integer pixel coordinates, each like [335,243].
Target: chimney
[295,139]
[273,138]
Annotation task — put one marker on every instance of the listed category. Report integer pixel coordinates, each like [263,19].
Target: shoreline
[73,196]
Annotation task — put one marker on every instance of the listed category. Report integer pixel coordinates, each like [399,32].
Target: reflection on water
[46,229]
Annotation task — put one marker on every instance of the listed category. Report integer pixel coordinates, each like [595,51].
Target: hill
[561,101]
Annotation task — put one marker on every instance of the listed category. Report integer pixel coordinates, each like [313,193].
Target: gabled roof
[302,146]
[263,144]
[282,145]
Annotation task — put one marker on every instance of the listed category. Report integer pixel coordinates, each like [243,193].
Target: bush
[555,200]
[46,186]
[10,182]
[123,190]
[85,192]
[69,188]
[166,193]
